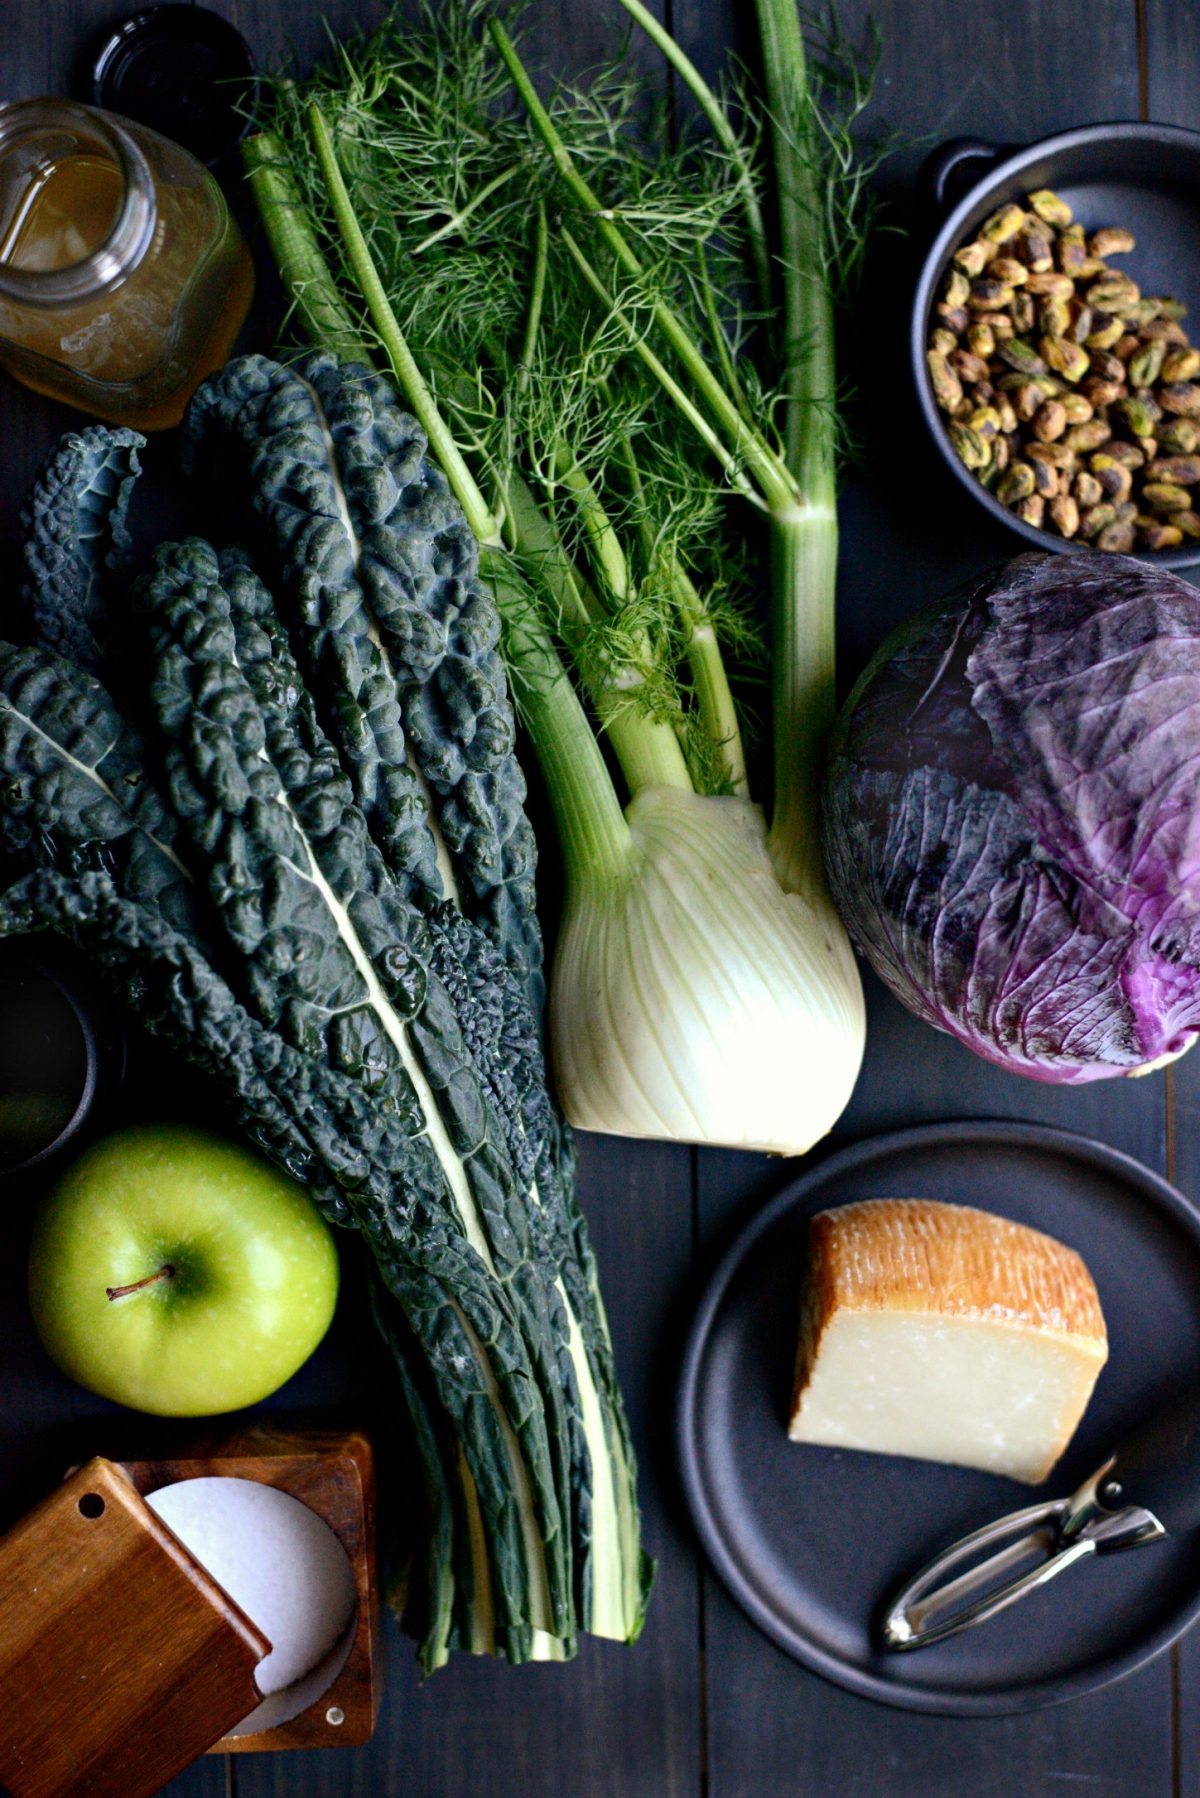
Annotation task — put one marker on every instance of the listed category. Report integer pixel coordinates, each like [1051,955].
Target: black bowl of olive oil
[61,1052]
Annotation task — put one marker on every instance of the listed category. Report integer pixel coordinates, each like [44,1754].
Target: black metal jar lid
[183,71]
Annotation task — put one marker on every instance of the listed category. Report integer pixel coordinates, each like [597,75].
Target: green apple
[179,1274]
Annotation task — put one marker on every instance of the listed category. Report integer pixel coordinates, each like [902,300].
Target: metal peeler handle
[931,1607]
[1053,1535]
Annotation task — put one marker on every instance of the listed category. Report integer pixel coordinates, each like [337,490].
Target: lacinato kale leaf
[77,545]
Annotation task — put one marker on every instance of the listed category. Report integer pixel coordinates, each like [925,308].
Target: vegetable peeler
[1148,1490]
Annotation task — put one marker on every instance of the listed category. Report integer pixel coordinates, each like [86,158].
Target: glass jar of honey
[123,278]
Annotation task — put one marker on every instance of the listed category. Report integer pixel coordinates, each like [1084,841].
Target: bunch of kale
[289,827]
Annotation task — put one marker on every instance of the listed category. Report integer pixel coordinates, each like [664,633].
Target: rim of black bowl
[89,1087]
[936,259]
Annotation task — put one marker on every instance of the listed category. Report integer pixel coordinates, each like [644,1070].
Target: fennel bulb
[694,999]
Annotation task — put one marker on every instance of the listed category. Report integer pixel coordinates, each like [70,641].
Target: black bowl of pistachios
[1051,343]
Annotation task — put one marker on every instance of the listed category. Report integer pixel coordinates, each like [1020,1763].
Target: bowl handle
[946,171]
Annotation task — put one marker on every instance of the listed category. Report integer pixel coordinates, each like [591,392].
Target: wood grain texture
[1184,1169]
[629,1724]
[1172,59]
[1010,73]
[1172,96]
[332,1471]
[120,1658]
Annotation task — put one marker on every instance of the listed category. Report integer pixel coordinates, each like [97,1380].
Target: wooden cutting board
[120,1659]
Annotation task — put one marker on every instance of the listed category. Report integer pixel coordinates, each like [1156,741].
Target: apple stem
[119,1292]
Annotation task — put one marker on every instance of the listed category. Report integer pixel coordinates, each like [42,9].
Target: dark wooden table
[704,1704]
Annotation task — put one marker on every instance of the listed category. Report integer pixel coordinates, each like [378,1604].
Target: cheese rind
[945,1333]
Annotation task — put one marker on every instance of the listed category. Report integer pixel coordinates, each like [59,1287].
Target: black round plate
[812,1541]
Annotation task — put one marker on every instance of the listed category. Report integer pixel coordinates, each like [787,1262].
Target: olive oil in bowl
[43,1061]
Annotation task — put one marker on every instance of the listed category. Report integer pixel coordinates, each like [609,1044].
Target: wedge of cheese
[945,1333]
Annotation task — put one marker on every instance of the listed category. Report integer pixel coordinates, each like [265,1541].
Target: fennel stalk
[803,538]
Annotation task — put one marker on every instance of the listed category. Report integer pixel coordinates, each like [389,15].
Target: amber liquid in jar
[65,213]
[123,279]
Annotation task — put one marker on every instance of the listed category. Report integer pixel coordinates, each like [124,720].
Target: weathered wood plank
[1008,73]
[617,1721]
[1172,58]
[1184,1170]
[44,1419]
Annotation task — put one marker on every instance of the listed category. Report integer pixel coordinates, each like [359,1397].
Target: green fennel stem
[808,344]
[714,699]
[577,608]
[647,749]
[729,463]
[319,306]
[593,834]
[804,538]
[659,759]
[720,342]
[804,548]
[455,223]
[529,533]
[537,297]
[603,541]
[404,366]
[710,679]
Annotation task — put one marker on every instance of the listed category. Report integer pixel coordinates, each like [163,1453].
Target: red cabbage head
[1013,816]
